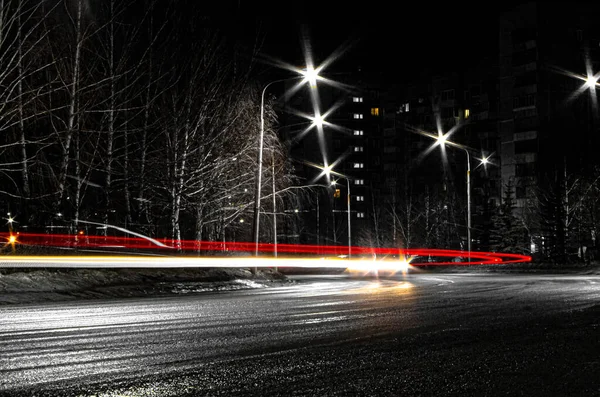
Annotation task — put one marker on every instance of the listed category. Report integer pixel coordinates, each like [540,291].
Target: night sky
[399,41]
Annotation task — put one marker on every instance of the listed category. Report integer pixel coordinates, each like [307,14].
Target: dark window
[528,146]
[521,192]
[522,35]
[447,113]
[447,95]
[528,78]
[524,100]
[490,144]
[524,57]
[525,170]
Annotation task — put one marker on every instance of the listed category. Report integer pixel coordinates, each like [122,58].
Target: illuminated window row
[358,132]
[357,99]
[360,215]
[359,165]
[359,181]
[360,198]
[360,116]
[359,149]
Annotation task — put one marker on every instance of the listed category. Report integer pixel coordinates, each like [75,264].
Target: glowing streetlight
[442,140]
[591,81]
[318,121]
[311,76]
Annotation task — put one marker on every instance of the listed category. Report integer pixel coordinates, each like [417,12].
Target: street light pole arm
[256,221]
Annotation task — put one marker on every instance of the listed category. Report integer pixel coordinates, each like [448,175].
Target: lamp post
[468,201]
[442,140]
[328,171]
[310,75]
[349,217]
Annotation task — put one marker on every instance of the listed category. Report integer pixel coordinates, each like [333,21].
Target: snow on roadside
[39,285]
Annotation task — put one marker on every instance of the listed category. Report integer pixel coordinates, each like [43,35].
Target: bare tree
[20,48]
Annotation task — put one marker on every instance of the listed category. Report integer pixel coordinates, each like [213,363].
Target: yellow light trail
[186,262]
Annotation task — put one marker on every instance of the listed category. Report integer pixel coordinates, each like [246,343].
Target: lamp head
[441,139]
[591,81]
[311,75]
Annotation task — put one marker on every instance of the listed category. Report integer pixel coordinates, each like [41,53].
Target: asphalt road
[420,334]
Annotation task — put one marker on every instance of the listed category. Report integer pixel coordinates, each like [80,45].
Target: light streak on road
[368,259]
[166,262]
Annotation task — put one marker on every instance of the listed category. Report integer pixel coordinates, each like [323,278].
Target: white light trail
[153,241]
[187,262]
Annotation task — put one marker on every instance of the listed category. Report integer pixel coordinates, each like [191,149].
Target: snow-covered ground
[38,285]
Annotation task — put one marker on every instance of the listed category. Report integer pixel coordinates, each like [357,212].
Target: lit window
[467,113]
[359,182]
[360,198]
[359,165]
[358,132]
[357,99]
[360,215]
[358,116]
[407,107]
[358,148]
[374,111]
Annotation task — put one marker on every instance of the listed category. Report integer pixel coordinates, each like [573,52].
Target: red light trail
[418,256]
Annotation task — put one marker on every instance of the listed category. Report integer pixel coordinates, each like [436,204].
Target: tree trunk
[142,204]
[72,109]
[199,227]
[111,117]
[23,141]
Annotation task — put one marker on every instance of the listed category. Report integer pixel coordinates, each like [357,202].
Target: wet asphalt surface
[414,335]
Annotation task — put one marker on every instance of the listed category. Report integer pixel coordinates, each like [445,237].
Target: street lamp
[328,170]
[310,75]
[591,81]
[442,140]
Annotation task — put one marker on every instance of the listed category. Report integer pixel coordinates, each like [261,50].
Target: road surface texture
[413,335]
